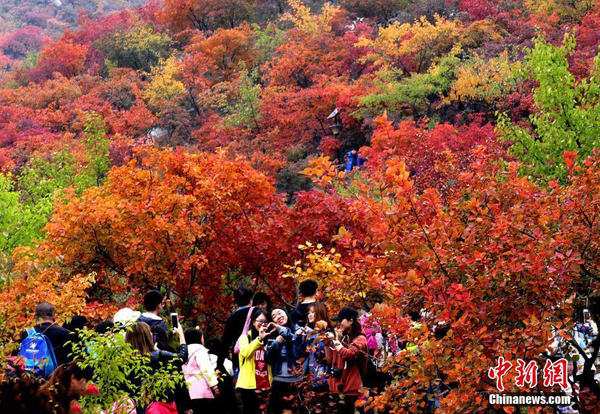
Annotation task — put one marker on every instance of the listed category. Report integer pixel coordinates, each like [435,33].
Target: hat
[346,313]
[126,316]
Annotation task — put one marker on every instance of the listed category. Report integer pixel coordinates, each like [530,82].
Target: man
[262,300]
[153,303]
[236,321]
[309,292]
[45,315]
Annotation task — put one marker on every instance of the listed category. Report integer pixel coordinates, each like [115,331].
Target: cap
[126,316]
[346,313]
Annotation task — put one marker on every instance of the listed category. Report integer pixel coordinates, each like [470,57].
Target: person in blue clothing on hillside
[353,160]
[281,354]
[154,305]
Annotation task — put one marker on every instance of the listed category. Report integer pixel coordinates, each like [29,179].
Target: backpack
[38,354]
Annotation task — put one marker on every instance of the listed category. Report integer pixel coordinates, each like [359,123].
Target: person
[125,317]
[262,300]
[236,321]
[160,338]
[309,292]
[76,323]
[200,374]
[225,401]
[24,393]
[154,305]
[346,354]
[104,327]
[312,348]
[281,355]
[255,377]
[45,314]
[66,385]
[353,160]
[139,336]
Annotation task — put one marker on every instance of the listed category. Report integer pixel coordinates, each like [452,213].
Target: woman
[346,353]
[161,339]
[281,354]
[255,377]
[199,374]
[139,336]
[23,393]
[312,349]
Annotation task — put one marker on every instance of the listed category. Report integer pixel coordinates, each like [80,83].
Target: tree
[166,218]
[499,269]
[140,47]
[567,116]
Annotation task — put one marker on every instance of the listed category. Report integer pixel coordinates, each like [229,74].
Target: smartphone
[174,320]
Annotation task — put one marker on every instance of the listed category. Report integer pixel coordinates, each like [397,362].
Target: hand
[280,339]
[337,345]
[301,331]
[327,338]
[339,333]
[179,332]
[262,333]
[216,391]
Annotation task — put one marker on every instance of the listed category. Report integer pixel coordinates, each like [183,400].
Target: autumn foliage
[186,146]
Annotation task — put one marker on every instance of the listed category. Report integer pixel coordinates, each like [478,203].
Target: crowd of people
[270,359]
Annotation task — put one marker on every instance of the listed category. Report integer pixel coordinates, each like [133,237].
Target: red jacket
[353,360]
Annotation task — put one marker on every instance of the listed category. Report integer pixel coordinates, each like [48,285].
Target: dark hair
[77,322]
[308,287]
[159,335]
[214,346]
[242,296]
[152,299]
[104,327]
[59,383]
[260,298]
[355,330]
[45,310]
[289,324]
[193,336]
[321,314]
[255,314]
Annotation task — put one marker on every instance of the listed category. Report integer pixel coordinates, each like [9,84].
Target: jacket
[247,376]
[313,352]
[233,329]
[282,357]
[151,319]
[199,373]
[352,360]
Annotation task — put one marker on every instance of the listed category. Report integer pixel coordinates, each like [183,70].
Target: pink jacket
[199,373]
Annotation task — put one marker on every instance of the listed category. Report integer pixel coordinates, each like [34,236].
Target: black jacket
[233,329]
[300,312]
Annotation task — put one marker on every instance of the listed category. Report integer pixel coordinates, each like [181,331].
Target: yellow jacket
[247,376]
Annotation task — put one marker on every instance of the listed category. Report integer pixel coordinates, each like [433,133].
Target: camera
[335,372]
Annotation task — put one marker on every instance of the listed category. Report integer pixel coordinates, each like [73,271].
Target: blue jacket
[281,356]
[313,351]
[352,163]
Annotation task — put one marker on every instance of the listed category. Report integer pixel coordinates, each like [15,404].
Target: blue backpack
[38,353]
